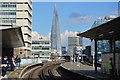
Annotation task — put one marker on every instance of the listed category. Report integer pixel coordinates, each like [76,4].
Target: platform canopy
[11,37]
[105,31]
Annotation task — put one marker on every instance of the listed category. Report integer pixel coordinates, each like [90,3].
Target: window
[7,13]
[36,48]
[13,5]
[35,42]
[46,42]
[45,48]
[8,21]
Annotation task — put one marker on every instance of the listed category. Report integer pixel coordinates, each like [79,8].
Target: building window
[7,13]
[7,5]
[42,54]
[35,42]
[8,21]
[46,42]
[45,48]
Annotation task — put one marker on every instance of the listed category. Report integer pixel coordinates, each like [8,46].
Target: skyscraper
[18,13]
[55,33]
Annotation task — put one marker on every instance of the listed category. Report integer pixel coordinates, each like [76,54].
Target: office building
[41,47]
[55,34]
[88,51]
[74,43]
[63,50]
[18,13]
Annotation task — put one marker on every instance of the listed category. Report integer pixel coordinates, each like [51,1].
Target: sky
[73,16]
[75,0]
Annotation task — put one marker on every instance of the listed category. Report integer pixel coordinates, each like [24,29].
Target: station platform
[85,70]
[15,74]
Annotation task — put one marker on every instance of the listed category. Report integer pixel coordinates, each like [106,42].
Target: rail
[28,67]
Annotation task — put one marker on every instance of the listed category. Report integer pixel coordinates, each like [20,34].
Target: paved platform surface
[86,70]
[16,72]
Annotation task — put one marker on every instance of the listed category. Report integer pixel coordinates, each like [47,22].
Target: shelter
[107,31]
[10,38]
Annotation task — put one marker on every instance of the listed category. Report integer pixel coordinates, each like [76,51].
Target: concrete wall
[105,58]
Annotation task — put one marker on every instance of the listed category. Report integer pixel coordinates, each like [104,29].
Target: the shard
[55,33]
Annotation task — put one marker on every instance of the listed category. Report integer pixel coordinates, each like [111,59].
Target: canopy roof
[11,37]
[105,31]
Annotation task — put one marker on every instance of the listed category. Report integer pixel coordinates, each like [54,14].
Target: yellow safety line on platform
[10,73]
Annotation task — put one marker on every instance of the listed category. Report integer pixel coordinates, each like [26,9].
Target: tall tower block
[55,33]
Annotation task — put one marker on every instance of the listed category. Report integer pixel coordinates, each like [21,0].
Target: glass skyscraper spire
[55,33]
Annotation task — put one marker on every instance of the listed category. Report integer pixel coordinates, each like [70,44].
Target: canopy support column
[114,55]
[95,55]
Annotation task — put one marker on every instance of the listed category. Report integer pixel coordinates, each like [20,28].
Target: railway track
[51,71]
[38,72]
[31,72]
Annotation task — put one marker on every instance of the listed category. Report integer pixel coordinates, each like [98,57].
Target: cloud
[77,18]
[65,35]
[35,35]
[74,15]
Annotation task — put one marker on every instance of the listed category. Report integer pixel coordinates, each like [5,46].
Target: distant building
[55,34]
[72,43]
[102,45]
[63,50]
[41,47]
[88,51]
